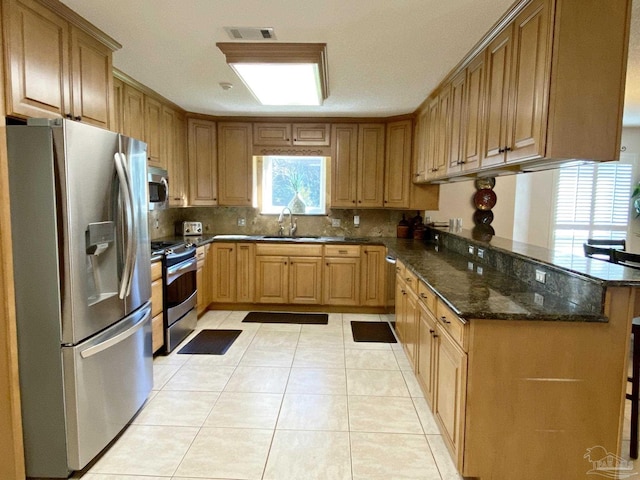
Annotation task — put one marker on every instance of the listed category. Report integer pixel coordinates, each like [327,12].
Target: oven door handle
[175,271]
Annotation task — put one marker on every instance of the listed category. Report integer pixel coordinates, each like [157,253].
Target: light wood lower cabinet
[303,274]
[157,330]
[341,275]
[203,278]
[245,272]
[373,272]
[433,339]
[288,274]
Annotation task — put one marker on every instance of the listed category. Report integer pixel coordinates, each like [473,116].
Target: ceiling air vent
[250,33]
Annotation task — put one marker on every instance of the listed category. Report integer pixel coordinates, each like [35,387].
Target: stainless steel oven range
[179,267]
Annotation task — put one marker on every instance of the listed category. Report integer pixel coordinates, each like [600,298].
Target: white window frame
[609,183]
[264,185]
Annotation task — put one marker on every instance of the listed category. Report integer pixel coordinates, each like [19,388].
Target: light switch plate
[481,253]
[541,276]
[471,249]
[356,220]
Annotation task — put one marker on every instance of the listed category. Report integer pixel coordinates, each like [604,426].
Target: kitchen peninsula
[522,377]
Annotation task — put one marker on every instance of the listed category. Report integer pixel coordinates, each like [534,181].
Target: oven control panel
[191,228]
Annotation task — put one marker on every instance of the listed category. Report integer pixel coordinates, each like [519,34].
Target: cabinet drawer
[156,270]
[288,250]
[452,324]
[400,269]
[201,255]
[411,280]
[427,296]
[342,250]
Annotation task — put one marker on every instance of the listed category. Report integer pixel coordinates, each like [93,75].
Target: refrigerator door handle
[121,337]
[125,285]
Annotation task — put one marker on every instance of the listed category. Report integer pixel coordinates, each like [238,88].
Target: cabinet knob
[423,295]
[501,150]
[68,115]
[78,118]
[444,319]
[353,201]
[432,331]
[507,149]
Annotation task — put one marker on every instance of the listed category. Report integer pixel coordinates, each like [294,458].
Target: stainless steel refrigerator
[81,257]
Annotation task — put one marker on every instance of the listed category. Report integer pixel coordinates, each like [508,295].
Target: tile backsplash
[224,220]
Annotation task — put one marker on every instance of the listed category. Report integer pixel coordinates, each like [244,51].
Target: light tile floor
[285,402]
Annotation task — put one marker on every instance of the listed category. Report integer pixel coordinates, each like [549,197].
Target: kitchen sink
[277,238]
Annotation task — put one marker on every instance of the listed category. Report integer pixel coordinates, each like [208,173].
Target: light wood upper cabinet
[397,181]
[153,121]
[344,165]
[133,114]
[421,131]
[92,79]
[235,168]
[517,80]
[311,134]
[529,82]
[203,163]
[287,134]
[173,137]
[118,105]
[370,172]
[497,99]
[473,113]
[432,140]
[457,123]
[54,68]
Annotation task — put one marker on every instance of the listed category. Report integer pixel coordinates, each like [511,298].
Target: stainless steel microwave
[158,188]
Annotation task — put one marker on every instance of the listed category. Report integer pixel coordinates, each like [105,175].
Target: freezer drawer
[107,379]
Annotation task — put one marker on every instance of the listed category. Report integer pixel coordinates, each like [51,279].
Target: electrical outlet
[481,253]
[538,299]
[242,222]
[335,222]
[471,249]
[479,270]
[541,276]
[470,266]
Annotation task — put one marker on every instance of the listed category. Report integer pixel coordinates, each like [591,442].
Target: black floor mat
[211,342]
[278,317]
[379,332]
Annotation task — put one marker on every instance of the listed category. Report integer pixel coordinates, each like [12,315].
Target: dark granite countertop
[477,291]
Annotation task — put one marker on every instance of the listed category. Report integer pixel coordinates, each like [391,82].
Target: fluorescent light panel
[283,83]
[280,73]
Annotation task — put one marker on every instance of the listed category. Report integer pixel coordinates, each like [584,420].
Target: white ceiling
[384,56]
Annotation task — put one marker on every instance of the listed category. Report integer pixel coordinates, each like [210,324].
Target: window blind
[592,201]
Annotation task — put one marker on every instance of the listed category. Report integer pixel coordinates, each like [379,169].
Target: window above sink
[297,182]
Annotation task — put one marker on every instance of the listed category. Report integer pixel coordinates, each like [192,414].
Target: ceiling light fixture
[281,73]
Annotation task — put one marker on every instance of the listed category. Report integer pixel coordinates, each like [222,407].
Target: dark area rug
[379,332]
[279,317]
[211,342]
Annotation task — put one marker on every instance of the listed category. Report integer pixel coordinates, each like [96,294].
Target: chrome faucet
[293,223]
